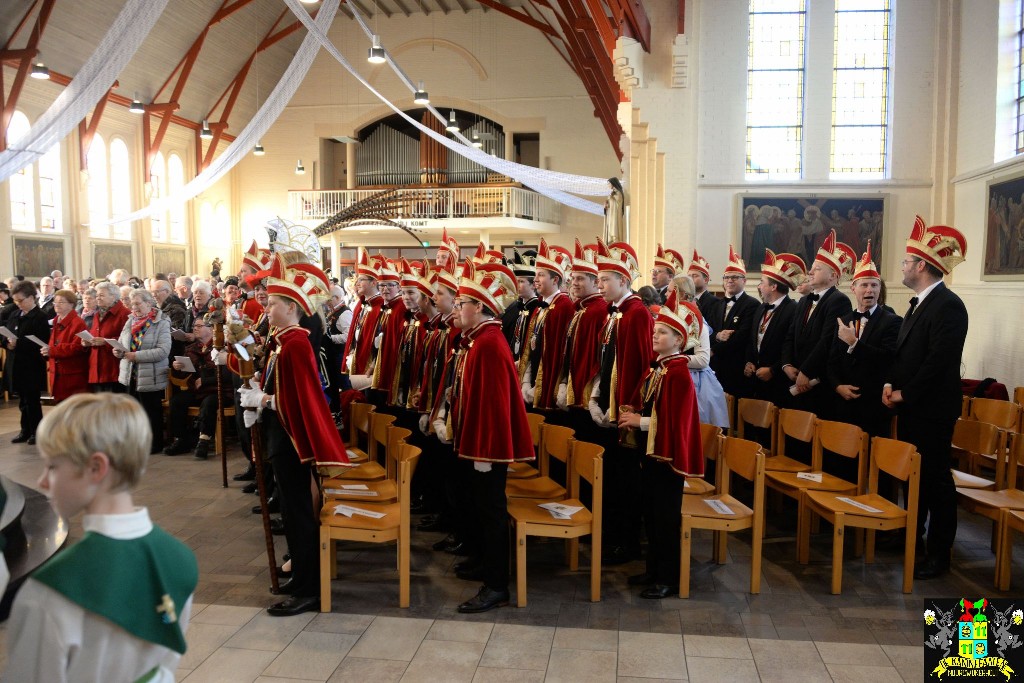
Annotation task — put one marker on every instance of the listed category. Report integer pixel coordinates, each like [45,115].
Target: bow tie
[732,298]
[814,297]
[867,314]
[612,309]
[543,304]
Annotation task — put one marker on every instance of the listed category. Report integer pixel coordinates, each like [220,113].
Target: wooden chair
[523,470]
[745,458]
[965,406]
[1002,414]
[796,424]
[991,504]
[752,412]
[371,470]
[1010,521]
[529,519]
[902,461]
[976,444]
[712,447]
[843,439]
[554,443]
[359,431]
[1018,398]
[392,527]
[730,406]
[371,491]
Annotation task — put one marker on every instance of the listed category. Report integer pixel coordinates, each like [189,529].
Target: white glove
[360,382]
[599,416]
[219,357]
[377,340]
[482,466]
[441,431]
[528,393]
[562,398]
[338,338]
[425,424]
[252,396]
[249,417]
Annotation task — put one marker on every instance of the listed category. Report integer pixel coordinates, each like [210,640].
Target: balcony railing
[433,203]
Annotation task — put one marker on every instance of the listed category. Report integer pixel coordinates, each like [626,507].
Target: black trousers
[937,497]
[622,511]
[182,426]
[31,411]
[490,522]
[301,524]
[151,402]
[662,500]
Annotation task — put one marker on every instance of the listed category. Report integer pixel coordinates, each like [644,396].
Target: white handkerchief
[718,506]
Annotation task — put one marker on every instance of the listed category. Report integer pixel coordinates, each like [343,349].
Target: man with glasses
[667,262]
[389,333]
[169,303]
[200,389]
[924,382]
[731,321]
[360,352]
[25,363]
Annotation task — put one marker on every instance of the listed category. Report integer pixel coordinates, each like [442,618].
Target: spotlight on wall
[258,149]
[136,106]
[476,141]
[453,126]
[299,168]
[420,96]
[205,133]
[376,55]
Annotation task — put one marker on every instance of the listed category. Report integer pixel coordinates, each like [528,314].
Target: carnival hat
[786,269]
[836,255]
[940,245]
[866,267]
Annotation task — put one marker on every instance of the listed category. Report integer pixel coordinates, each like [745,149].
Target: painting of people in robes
[1004,230]
[36,258]
[799,224]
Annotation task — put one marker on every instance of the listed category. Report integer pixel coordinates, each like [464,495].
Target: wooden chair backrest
[710,443]
[965,406]
[1018,395]
[901,460]
[554,443]
[379,423]
[358,421]
[796,424]
[587,459]
[847,440]
[745,458]
[397,436]
[755,412]
[730,408]
[535,420]
[1016,461]
[406,458]
[975,436]
[1002,414]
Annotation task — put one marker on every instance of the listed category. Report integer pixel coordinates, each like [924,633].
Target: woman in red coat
[69,360]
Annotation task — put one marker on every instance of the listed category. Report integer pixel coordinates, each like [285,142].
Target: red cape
[252,310]
[549,370]
[633,354]
[391,325]
[489,417]
[583,343]
[361,334]
[300,400]
[409,365]
[674,434]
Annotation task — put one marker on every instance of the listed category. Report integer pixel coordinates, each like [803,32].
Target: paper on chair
[718,506]
[85,336]
[347,491]
[7,333]
[116,344]
[186,363]
[560,511]
[857,504]
[809,476]
[352,454]
[36,340]
[348,511]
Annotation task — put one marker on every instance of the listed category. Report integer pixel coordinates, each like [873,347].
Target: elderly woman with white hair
[147,340]
[202,300]
[107,323]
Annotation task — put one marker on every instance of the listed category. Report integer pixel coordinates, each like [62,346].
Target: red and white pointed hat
[619,258]
[736,266]
[412,276]
[786,269]
[669,259]
[449,244]
[866,267]
[492,284]
[584,259]
[256,258]
[700,265]
[303,283]
[838,256]
[551,260]
[940,245]
[365,266]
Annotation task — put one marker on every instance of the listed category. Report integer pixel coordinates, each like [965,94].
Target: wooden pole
[218,343]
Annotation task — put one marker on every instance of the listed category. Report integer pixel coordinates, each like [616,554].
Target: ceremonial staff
[218,344]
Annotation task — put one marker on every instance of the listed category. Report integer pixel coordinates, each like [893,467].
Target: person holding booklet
[69,360]
[26,364]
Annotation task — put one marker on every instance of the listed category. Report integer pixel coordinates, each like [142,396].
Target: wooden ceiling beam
[402,8]
[87,131]
[519,16]
[9,102]
[444,7]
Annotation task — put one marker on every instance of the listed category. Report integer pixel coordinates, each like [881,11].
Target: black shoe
[294,605]
[931,569]
[277,526]
[644,579]
[286,588]
[434,523]
[202,449]
[248,475]
[616,555]
[31,440]
[484,601]
[461,549]
[251,487]
[272,504]
[446,542]
[659,592]
[178,447]
[22,437]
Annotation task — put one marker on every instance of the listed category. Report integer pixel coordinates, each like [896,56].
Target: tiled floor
[794,630]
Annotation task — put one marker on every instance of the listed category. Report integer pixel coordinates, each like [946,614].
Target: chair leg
[520,565]
[1004,558]
[325,574]
[869,546]
[803,536]
[755,561]
[858,543]
[332,552]
[721,547]
[837,554]
[572,549]
[403,572]
[684,558]
[595,575]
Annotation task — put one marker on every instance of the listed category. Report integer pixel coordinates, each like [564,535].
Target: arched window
[50,214]
[120,188]
[22,203]
[158,183]
[175,181]
[99,207]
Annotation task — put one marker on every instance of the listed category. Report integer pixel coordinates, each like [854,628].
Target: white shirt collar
[928,290]
[619,302]
[124,527]
[870,311]
[821,292]
[549,299]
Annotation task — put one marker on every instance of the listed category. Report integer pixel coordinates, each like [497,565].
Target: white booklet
[186,363]
[179,335]
[809,476]
[33,338]
[7,333]
[560,511]
[85,336]
[348,511]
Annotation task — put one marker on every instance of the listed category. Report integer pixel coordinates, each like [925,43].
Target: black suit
[27,366]
[729,357]
[769,355]
[705,302]
[926,369]
[809,340]
[866,367]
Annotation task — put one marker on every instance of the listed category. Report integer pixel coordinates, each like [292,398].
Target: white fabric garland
[92,82]
[527,175]
[256,128]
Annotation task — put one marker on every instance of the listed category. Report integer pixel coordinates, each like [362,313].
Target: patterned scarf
[139,327]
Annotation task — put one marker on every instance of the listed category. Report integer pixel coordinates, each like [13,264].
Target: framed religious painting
[1004,229]
[36,257]
[106,256]
[799,223]
[169,260]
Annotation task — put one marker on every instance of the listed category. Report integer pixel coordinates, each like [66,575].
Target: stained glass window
[99,206]
[20,185]
[175,181]
[158,183]
[120,188]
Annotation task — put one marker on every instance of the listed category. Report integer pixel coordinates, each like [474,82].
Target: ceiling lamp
[258,149]
[308,2]
[205,133]
[476,141]
[453,126]
[299,168]
[420,96]
[40,71]
[136,106]
[377,53]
